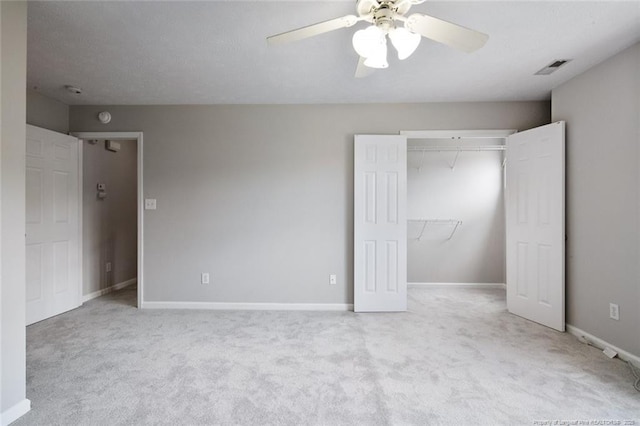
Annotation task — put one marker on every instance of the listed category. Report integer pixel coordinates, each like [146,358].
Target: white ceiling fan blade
[362,70]
[313,30]
[444,32]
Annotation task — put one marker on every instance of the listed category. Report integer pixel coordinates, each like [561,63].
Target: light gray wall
[471,192]
[262,196]
[602,111]
[110,224]
[13,65]
[46,112]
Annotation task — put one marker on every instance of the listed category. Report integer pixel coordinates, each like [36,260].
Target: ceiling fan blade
[313,30]
[362,70]
[444,32]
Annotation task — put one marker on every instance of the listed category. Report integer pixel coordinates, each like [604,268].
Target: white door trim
[457,134]
[126,136]
[80,222]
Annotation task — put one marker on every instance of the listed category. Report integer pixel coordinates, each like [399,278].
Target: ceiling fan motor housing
[370,7]
[383,17]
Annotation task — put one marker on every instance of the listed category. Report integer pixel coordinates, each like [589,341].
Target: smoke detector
[104,117]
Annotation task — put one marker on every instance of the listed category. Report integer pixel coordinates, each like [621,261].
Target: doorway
[112,212]
[109,224]
[455,209]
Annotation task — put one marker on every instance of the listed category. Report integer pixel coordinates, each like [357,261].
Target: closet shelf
[457,149]
[417,148]
[429,228]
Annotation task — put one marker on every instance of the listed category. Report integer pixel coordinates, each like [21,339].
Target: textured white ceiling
[216,53]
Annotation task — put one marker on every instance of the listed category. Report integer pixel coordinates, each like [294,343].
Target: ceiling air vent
[553,66]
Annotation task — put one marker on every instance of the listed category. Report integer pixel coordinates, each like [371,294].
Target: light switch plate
[614,311]
[149,203]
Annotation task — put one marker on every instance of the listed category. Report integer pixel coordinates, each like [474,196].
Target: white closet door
[380,223]
[52,224]
[535,202]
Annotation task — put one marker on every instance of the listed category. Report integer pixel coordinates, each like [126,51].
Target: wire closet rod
[456,148]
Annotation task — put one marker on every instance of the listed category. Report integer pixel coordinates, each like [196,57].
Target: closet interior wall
[455,208]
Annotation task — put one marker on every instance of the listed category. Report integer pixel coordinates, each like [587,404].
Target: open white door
[53,224]
[380,223]
[535,213]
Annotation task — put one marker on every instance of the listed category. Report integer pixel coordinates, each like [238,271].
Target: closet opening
[474,219]
[456,208]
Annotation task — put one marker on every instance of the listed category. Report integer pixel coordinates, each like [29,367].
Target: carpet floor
[456,357]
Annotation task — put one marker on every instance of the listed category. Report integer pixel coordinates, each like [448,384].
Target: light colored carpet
[457,357]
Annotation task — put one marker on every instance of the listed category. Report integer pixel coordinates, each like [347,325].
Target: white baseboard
[107,290]
[224,306]
[601,344]
[458,285]
[14,413]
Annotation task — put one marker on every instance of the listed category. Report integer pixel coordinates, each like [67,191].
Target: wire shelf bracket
[425,223]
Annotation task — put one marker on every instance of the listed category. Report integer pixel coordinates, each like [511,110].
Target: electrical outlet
[333,279]
[614,311]
[107,266]
[204,278]
[150,204]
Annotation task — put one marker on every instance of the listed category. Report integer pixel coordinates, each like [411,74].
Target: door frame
[138,136]
[456,135]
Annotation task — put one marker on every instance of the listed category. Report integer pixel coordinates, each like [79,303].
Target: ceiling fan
[371,43]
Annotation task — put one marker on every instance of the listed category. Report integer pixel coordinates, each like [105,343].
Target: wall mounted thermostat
[102,191]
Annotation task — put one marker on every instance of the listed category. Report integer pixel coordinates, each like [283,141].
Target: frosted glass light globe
[404,41]
[369,42]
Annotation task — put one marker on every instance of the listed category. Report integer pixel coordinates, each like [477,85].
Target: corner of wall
[13,71]
[1,351]
[602,109]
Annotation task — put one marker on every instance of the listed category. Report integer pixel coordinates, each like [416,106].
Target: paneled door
[380,223]
[52,224]
[535,213]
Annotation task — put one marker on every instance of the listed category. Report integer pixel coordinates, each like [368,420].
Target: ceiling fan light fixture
[383,15]
[369,42]
[405,41]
